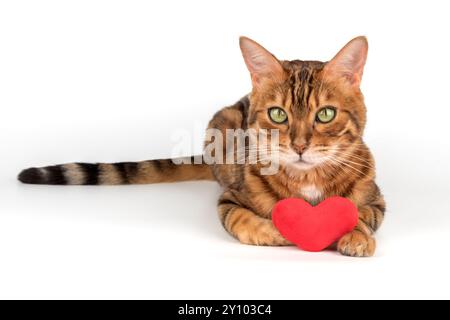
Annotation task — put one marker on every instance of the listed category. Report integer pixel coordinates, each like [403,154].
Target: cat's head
[318,107]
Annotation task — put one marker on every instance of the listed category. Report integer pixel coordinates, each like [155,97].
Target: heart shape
[314,228]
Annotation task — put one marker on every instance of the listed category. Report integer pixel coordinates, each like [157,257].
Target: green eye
[277,115]
[326,114]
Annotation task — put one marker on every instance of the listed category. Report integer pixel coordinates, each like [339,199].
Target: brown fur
[245,207]
[301,88]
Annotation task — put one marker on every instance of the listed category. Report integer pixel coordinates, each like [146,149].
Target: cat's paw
[357,244]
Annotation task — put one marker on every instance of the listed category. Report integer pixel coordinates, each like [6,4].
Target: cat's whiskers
[341,162]
[356,159]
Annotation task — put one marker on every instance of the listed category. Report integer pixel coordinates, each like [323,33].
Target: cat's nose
[299,148]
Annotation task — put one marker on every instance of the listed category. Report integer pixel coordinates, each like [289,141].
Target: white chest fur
[311,193]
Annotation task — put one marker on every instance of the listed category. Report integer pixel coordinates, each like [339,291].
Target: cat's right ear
[349,63]
[261,63]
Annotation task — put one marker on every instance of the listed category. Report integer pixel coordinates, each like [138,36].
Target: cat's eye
[326,114]
[277,115]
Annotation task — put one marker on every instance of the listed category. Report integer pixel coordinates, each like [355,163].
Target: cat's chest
[311,193]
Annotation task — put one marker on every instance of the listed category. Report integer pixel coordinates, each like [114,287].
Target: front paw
[357,244]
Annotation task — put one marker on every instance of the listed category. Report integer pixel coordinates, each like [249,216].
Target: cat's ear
[349,63]
[260,62]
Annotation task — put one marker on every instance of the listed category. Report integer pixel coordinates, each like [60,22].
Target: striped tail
[145,172]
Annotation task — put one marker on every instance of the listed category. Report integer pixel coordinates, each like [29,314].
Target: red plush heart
[314,228]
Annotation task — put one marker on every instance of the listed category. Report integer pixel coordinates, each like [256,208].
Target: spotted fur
[301,88]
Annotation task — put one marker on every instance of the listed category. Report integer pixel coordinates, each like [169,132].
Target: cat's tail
[145,172]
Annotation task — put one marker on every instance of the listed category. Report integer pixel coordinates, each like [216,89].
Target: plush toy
[314,228]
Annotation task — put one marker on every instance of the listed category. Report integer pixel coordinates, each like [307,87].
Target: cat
[319,112]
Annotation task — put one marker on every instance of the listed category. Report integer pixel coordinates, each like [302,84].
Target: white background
[112,81]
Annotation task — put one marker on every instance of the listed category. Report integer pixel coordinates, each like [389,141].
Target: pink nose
[299,148]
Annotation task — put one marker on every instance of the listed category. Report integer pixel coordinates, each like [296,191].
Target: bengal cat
[319,112]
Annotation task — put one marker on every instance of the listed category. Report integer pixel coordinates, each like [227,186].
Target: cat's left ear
[349,63]
[261,63]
